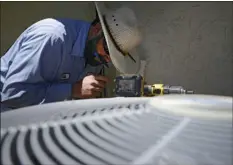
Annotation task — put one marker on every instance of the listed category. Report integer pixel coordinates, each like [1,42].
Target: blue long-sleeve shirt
[43,63]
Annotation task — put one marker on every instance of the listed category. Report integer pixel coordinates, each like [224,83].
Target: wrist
[76,90]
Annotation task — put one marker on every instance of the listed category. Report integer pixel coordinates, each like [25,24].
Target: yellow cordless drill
[134,86]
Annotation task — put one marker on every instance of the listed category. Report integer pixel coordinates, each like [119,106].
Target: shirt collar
[80,43]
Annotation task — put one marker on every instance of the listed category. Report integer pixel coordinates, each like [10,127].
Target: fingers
[97,89]
[100,84]
[101,78]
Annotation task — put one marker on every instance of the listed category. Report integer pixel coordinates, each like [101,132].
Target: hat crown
[124,29]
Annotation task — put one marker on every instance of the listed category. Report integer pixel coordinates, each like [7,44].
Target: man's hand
[89,87]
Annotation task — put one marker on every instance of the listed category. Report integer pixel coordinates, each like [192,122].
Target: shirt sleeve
[29,80]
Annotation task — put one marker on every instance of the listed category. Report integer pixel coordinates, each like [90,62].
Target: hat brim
[124,64]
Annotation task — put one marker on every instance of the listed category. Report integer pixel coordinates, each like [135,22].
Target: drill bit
[176,90]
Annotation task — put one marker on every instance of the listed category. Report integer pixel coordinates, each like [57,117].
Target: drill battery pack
[129,86]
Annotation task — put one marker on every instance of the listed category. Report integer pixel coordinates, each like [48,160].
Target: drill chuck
[176,90]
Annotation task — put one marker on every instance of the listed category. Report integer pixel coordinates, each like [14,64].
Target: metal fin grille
[129,107]
[145,135]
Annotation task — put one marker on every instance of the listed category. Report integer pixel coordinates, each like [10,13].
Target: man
[52,59]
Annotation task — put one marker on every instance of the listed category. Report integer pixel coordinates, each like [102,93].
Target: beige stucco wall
[187,43]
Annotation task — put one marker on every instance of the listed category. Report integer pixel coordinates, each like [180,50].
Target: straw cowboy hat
[122,35]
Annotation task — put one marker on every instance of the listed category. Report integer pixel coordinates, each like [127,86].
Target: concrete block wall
[187,43]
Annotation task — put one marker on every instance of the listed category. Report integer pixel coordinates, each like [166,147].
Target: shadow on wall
[187,43]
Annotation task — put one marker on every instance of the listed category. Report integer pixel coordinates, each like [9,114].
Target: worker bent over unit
[52,59]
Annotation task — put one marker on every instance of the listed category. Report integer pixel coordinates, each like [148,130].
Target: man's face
[101,46]
[101,50]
